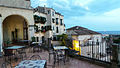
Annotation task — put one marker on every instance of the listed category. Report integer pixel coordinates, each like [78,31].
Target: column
[0,36]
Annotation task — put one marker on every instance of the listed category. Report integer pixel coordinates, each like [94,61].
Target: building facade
[16,16]
[84,35]
[54,19]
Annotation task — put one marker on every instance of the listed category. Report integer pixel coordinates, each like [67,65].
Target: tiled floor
[73,63]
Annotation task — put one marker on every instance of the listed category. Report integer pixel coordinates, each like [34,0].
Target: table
[14,47]
[32,64]
[35,42]
[60,47]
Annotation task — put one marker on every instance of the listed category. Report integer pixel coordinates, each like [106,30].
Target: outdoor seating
[35,57]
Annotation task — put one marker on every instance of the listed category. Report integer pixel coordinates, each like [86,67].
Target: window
[53,27]
[57,21]
[57,31]
[37,39]
[48,11]
[53,13]
[53,20]
[61,22]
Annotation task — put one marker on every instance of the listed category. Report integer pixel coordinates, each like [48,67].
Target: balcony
[36,29]
[45,28]
[39,19]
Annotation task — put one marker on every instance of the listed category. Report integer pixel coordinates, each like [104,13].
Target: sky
[98,15]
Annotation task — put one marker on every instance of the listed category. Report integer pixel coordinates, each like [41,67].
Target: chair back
[35,57]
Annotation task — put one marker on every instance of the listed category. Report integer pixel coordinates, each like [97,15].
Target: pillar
[1,35]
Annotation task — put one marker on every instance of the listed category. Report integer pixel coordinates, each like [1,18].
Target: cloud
[115,13]
[35,3]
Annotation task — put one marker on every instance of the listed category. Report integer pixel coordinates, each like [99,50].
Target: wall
[89,38]
[15,3]
[56,42]
[10,24]
[75,37]
[94,37]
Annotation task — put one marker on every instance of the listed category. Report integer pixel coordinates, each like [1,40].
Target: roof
[42,10]
[78,30]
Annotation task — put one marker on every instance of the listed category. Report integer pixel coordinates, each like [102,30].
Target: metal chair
[35,57]
[6,65]
[59,56]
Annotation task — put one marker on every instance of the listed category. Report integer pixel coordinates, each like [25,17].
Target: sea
[110,32]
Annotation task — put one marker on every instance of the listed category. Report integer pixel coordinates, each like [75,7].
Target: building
[53,19]
[42,28]
[83,34]
[16,20]
[90,41]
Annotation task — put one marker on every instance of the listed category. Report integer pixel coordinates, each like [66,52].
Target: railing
[97,50]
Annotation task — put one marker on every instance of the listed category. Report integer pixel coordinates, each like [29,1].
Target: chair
[59,56]
[35,57]
[36,48]
[22,53]
[6,65]
[7,56]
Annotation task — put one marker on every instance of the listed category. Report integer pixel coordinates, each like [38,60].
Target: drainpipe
[0,35]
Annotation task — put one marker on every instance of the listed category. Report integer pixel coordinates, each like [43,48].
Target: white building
[54,19]
[90,41]
[83,34]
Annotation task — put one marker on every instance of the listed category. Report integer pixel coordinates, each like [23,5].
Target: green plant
[62,38]
[33,39]
[7,42]
[39,19]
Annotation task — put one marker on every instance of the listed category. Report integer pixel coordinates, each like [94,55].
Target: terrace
[72,62]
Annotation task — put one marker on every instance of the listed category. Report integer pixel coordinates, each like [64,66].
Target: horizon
[102,15]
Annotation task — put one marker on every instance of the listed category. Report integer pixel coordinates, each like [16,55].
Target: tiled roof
[78,30]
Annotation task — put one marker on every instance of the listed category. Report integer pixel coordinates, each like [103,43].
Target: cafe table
[63,48]
[32,64]
[60,47]
[14,47]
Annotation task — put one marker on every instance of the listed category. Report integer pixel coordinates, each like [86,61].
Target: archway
[15,28]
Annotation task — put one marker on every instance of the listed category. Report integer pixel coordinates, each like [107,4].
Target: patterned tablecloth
[32,64]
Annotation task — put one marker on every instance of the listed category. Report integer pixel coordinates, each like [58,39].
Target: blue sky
[98,15]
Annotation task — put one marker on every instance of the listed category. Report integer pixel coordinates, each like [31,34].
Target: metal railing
[97,50]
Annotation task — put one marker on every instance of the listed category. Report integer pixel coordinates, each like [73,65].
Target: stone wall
[15,3]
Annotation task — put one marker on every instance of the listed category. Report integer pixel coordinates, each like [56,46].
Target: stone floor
[73,63]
